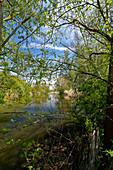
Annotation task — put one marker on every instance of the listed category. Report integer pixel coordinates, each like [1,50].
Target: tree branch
[24,20]
[94,30]
[91,74]
[101,53]
[17,72]
[10,3]
[10,50]
[101,11]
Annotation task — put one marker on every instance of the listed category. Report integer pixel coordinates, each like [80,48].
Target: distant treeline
[15,89]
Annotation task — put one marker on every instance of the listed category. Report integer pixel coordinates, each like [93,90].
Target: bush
[61,91]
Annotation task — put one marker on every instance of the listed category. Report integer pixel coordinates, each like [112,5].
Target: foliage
[92,101]
[109,152]
[61,91]
[89,125]
[32,152]
[95,35]
[63,83]
[13,89]
[20,24]
[4,130]
[40,88]
[92,61]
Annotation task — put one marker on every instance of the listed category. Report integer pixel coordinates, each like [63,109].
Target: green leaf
[12,120]
[4,130]
[30,167]
[39,149]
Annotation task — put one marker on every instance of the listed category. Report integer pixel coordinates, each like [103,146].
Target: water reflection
[55,106]
[50,104]
[43,105]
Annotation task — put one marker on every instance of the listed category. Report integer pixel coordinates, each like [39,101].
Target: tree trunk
[109,112]
[1,20]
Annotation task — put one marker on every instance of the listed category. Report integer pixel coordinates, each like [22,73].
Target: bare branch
[91,74]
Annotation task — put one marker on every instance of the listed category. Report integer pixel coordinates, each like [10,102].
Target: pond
[35,118]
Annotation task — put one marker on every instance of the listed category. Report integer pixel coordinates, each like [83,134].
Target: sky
[68,39]
[58,48]
[35,47]
[36,44]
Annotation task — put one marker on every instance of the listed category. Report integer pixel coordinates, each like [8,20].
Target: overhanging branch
[19,25]
[94,30]
[101,53]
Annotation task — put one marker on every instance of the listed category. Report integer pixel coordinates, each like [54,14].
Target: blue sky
[36,44]
[68,39]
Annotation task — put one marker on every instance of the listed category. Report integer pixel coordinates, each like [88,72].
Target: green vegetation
[32,152]
[40,88]
[92,101]
[62,84]
[13,89]
[88,69]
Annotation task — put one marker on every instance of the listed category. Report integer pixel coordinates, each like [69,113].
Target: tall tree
[1,20]
[94,19]
[20,24]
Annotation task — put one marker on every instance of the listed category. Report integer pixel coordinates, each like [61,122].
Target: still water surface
[39,110]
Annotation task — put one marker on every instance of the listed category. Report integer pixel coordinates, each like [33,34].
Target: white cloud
[48,46]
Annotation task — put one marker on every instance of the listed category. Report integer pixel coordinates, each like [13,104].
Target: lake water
[48,111]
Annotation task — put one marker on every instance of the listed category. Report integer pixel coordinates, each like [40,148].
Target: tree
[40,88]
[20,24]
[63,83]
[13,89]
[94,19]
